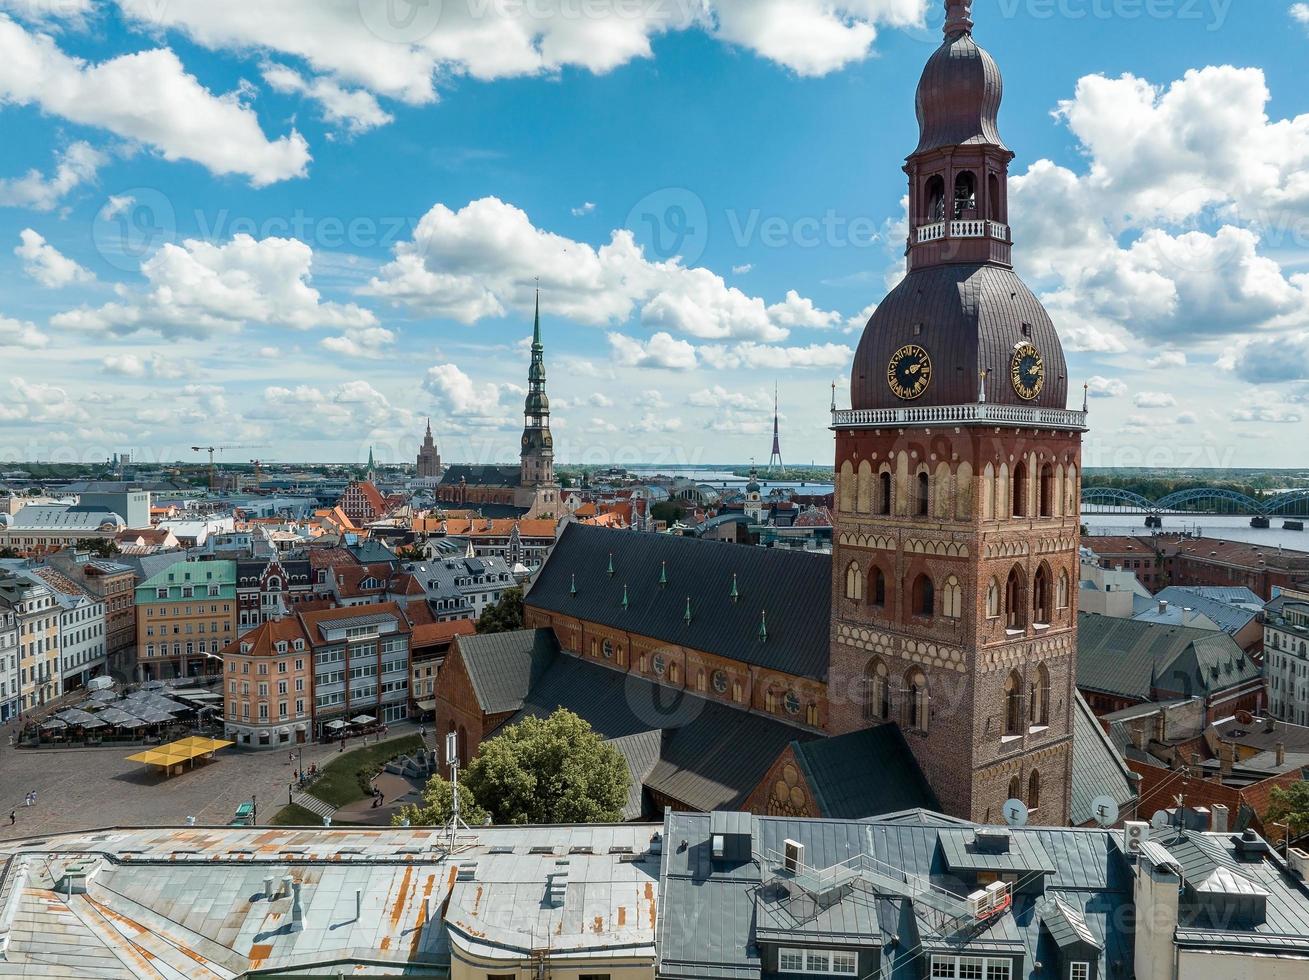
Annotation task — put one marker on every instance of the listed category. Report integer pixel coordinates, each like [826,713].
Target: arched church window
[1039,699]
[864,493]
[1047,490]
[916,701]
[1061,593]
[877,588]
[1019,508]
[1015,788]
[1013,704]
[854,582]
[993,197]
[923,502]
[923,595]
[847,484]
[965,193]
[952,605]
[877,692]
[1034,790]
[993,600]
[1014,595]
[935,195]
[884,493]
[1041,595]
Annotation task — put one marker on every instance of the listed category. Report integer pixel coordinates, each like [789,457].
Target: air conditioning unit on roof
[1135,834]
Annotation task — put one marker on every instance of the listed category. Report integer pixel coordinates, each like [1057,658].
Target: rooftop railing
[978,414]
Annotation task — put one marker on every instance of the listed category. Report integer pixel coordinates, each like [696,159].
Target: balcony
[969,228]
[979,414]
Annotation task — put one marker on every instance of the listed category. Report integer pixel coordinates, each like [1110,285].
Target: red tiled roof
[263,638]
[430,634]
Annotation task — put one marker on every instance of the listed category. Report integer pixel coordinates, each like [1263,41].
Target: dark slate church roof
[503,667]
[1098,770]
[792,588]
[482,476]
[864,774]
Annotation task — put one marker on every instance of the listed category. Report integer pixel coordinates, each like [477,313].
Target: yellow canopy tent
[174,755]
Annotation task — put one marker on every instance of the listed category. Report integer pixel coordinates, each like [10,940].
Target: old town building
[362,502]
[429,460]
[268,684]
[265,587]
[360,663]
[36,618]
[185,615]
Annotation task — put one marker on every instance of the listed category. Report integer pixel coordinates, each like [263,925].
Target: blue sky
[306,226]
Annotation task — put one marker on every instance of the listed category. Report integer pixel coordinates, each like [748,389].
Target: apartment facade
[361,664]
[185,615]
[9,687]
[1286,656]
[37,616]
[114,583]
[82,652]
[268,687]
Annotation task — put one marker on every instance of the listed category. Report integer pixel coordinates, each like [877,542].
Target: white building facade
[1286,657]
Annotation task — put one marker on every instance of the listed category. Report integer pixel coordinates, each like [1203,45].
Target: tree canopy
[552,770]
[1290,806]
[504,616]
[438,804]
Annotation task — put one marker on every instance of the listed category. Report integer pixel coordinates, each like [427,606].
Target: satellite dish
[1105,809]
[1015,813]
[1161,820]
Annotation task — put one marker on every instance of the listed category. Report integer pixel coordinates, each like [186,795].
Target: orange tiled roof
[430,634]
[263,638]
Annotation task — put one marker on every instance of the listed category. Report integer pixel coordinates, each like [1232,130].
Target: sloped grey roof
[1067,925]
[641,752]
[1098,769]
[712,755]
[864,774]
[504,667]
[1130,658]
[1232,609]
[792,588]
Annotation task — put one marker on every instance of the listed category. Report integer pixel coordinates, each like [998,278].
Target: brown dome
[959,96]
[968,318]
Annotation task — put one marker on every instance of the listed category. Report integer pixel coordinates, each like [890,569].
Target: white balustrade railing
[999,231]
[968,229]
[983,413]
[931,233]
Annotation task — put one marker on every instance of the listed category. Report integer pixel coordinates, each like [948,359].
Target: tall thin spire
[536,327]
[775,460]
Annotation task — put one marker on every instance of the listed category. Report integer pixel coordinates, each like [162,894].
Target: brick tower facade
[958,470]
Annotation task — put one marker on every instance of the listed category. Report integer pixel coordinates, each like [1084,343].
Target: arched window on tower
[1013,704]
[1033,790]
[1047,490]
[916,701]
[854,582]
[1019,508]
[952,600]
[993,197]
[1015,594]
[964,492]
[847,485]
[923,503]
[1015,788]
[884,497]
[1039,697]
[986,493]
[923,596]
[877,692]
[1061,592]
[877,588]
[934,194]
[965,194]
[1041,586]
[993,600]
[864,493]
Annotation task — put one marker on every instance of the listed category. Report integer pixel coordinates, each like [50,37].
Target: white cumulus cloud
[46,264]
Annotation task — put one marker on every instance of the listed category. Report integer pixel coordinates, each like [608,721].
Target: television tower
[775,460]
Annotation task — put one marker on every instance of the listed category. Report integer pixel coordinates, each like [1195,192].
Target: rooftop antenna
[775,460]
[453,825]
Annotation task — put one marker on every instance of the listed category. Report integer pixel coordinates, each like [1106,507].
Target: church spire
[538,445]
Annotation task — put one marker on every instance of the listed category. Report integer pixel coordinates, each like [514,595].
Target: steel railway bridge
[1200,500]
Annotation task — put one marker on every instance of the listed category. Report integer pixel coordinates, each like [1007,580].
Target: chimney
[1163,607]
[1219,818]
[1281,753]
[297,911]
[1161,726]
[269,894]
[1138,735]
[1299,861]
[285,890]
[1225,760]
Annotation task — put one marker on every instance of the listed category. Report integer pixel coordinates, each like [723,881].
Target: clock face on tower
[910,372]
[1027,371]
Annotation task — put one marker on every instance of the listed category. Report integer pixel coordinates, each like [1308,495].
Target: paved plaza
[78,789]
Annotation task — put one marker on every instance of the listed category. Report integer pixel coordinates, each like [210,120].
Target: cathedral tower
[955,548]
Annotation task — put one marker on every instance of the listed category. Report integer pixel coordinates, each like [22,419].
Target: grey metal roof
[1131,658]
[641,752]
[1098,769]
[1067,925]
[792,588]
[864,774]
[504,667]
[712,755]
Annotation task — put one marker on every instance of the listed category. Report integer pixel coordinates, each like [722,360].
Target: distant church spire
[537,464]
[372,467]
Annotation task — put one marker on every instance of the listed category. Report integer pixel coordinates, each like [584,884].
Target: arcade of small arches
[1210,500]
[1011,602]
[1033,487]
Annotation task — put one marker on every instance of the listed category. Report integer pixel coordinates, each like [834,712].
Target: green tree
[100,547]
[554,770]
[669,511]
[1290,806]
[504,616]
[438,804]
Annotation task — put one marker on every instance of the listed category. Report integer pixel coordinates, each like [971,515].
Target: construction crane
[213,469]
